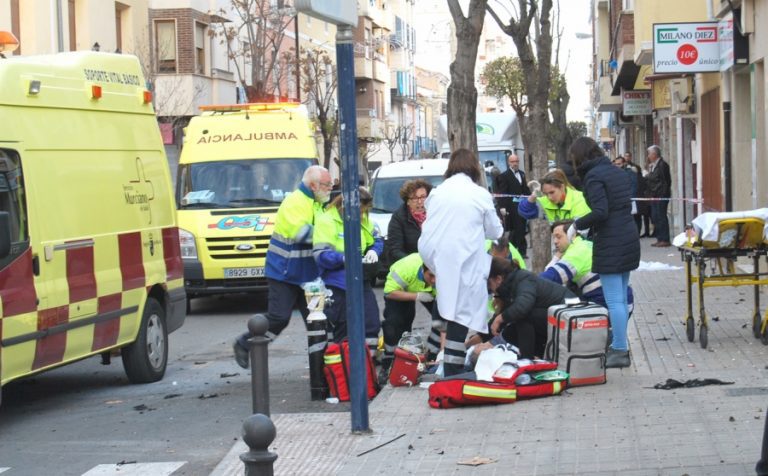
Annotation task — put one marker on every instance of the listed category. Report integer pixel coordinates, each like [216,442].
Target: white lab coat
[460,217]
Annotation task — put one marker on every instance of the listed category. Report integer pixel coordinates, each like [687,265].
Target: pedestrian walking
[513,182]
[460,217]
[328,250]
[289,261]
[616,248]
[659,182]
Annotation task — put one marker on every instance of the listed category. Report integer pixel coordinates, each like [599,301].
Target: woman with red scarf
[405,225]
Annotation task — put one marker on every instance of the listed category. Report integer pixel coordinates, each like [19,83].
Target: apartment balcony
[606,101]
[363,67]
[377,15]
[368,125]
[380,70]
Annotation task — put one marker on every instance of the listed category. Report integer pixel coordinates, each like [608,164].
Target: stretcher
[710,251]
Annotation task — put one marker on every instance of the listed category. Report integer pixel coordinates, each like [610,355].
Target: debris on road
[476,461]
[381,445]
[672,383]
[205,396]
[171,395]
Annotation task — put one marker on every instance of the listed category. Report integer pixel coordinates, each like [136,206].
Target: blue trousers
[336,312]
[615,291]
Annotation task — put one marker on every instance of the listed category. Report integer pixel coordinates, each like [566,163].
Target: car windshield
[239,183]
[386,191]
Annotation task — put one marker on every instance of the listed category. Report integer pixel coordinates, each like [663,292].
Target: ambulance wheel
[145,360]
[690,329]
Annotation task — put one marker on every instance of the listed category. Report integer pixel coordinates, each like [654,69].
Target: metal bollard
[257,344]
[317,341]
[258,433]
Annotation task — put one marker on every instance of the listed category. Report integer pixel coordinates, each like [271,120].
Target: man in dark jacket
[659,183]
[513,182]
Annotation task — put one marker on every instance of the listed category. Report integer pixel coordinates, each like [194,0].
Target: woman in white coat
[460,217]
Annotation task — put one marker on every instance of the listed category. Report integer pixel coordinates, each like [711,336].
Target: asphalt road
[69,420]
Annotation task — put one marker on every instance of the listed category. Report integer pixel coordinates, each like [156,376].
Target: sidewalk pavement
[623,427]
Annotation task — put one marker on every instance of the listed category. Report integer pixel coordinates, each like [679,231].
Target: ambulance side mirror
[5,234]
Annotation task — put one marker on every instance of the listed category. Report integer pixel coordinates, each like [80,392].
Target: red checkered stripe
[112,276]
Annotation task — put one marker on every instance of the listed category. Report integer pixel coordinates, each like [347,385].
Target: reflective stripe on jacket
[407,274]
[289,256]
[328,245]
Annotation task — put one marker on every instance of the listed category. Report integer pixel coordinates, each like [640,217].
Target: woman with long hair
[559,200]
[616,248]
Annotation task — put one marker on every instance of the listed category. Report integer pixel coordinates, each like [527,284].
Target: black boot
[617,359]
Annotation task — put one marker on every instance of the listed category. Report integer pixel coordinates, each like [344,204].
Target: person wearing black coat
[616,248]
[659,183]
[405,225]
[513,182]
[522,300]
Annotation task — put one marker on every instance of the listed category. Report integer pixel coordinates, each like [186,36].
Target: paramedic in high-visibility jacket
[328,249]
[289,255]
[409,281]
[572,264]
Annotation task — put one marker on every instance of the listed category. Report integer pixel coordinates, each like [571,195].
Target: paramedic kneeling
[289,256]
[523,300]
[409,281]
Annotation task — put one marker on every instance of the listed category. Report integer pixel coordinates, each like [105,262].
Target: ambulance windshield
[239,183]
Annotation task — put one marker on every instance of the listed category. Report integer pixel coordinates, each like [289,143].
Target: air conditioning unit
[630,120]
[681,95]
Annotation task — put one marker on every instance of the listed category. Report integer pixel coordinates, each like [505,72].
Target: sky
[575,54]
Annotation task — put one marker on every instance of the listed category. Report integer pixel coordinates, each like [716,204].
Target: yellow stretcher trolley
[715,266]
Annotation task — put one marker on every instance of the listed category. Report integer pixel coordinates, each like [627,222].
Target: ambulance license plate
[244,272]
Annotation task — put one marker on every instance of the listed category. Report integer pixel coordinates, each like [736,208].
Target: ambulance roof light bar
[253,106]
[8,43]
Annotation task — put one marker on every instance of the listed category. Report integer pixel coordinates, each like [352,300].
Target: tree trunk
[537,70]
[462,94]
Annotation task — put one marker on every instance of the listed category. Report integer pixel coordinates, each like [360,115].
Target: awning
[626,77]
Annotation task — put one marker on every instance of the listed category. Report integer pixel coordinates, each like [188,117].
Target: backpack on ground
[336,371]
[504,388]
[577,336]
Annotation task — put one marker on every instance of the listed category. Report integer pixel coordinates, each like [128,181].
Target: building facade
[706,114]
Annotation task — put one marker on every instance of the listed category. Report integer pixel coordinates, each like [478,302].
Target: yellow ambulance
[90,260]
[237,164]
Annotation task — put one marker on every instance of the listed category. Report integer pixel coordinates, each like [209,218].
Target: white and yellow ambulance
[237,164]
[89,253]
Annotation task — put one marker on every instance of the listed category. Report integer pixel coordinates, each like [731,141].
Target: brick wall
[185,33]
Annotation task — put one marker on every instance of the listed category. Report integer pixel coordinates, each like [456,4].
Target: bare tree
[398,136]
[254,41]
[462,94]
[319,83]
[535,53]
[365,150]
[406,136]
